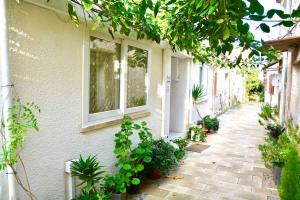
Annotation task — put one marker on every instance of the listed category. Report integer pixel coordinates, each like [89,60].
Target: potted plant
[198,93]
[210,123]
[90,173]
[198,135]
[130,162]
[181,150]
[163,159]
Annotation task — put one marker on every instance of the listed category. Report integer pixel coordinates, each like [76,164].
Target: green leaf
[135,181]
[140,167]
[87,4]
[264,27]
[127,167]
[73,14]
[271,13]
[257,17]
[198,3]
[295,13]
[156,7]
[147,159]
[243,28]
[226,33]
[256,7]
[287,23]
[238,61]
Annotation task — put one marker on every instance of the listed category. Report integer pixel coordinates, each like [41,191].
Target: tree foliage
[188,24]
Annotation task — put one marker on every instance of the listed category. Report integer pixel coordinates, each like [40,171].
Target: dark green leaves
[73,14]
[257,17]
[243,28]
[156,7]
[295,13]
[256,7]
[135,181]
[264,27]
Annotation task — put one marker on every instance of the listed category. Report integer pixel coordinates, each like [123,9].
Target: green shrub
[289,188]
[261,96]
[199,135]
[268,114]
[90,173]
[163,156]
[130,161]
[211,123]
[181,150]
[275,130]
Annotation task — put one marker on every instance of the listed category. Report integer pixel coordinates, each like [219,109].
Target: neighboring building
[289,43]
[272,80]
[85,82]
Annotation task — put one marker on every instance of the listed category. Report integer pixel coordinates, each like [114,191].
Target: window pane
[136,77]
[105,59]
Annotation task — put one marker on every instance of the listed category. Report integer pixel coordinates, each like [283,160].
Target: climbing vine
[20,122]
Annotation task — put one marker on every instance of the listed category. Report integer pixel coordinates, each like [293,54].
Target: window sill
[119,120]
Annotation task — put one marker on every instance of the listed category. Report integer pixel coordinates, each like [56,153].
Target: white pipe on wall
[6,86]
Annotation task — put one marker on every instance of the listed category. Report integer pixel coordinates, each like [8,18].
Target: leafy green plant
[222,24]
[275,130]
[199,135]
[130,161]
[181,151]
[89,172]
[267,115]
[198,93]
[254,86]
[289,187]
[20,122]
[163,157]
[211,123]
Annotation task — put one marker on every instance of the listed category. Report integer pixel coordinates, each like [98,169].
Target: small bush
[211,123]
[289,188]
[182,144]
[275,130]
[163,156]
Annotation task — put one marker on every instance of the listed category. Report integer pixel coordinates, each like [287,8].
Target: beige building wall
[46,55]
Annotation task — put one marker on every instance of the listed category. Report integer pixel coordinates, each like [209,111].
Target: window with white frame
[112,94]
[105,58]
[137,61]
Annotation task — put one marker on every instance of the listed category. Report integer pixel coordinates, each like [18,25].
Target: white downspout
[6,86]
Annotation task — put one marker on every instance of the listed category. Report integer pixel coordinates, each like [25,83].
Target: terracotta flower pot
[154,174]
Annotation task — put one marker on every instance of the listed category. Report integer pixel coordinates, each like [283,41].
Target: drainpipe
[6,86]
[283,90]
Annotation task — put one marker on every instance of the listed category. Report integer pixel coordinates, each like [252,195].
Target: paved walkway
[230,169]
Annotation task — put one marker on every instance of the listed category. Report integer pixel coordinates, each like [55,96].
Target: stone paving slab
[230,169]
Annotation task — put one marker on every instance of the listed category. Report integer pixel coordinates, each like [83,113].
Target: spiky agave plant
[89,171]
[198,93]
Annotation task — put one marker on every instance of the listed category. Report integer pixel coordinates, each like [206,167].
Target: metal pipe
[6,86]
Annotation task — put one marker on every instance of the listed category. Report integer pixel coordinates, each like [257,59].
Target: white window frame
[147,81]
[94,118]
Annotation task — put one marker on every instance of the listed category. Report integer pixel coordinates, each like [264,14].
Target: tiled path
[231,168]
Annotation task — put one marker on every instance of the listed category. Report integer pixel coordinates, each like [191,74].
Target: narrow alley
[230,168]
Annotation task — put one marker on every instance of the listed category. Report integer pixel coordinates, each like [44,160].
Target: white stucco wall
[46,54]
[205,106]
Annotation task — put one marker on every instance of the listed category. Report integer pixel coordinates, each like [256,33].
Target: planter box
[277,174]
